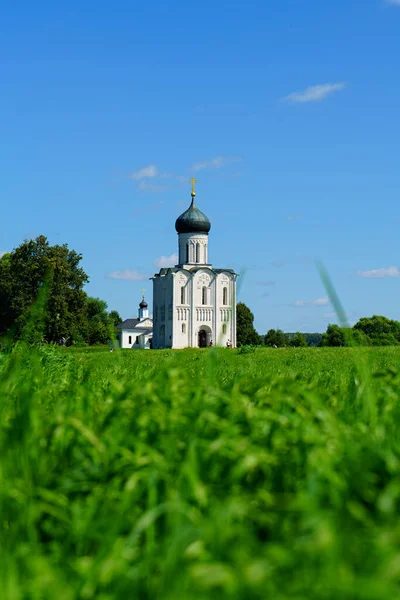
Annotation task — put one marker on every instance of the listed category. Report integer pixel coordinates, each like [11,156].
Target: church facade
[137,333]
[194,304]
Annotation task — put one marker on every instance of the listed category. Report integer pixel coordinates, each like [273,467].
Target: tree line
[368,331]
[37,274]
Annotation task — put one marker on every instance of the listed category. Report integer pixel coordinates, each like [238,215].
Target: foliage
[115,317]
[100,324]
[200,474]
[381,331]
[374,331]
[52,272]
[334,336]
[275,338]
[299,340]
[245,332]
[312,339]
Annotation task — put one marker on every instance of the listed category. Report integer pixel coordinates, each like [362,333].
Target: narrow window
[197,252]
[187,253]
[137,339]
[224,328]
[182,295]
[183,327]
[130,340]
[225,296]
[204,295]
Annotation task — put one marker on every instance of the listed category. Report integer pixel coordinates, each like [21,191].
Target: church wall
[125,334]
[182,327]
[162,311]
[192,255]
[226,309]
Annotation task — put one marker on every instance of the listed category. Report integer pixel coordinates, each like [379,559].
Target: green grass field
[200,474]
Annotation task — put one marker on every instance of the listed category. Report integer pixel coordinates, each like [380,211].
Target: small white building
[194,304]
[137,333]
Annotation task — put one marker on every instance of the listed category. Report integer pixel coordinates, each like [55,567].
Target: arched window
[187,253]
[224,328]
[183,327]
[197,252]
[204,295]
[225,296]
[182,295]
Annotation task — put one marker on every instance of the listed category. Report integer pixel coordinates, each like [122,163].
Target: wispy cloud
[145,173]
[146,210]
[395,2]
[3,253]
[215,163]
[315,93]
[147,186]
[392,271]
[128,275]
[318,302]
[163,262]
[265,283]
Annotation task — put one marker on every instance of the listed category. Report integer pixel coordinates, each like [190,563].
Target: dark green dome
[192,221]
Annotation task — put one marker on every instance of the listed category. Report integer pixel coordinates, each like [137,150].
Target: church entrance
[202,338]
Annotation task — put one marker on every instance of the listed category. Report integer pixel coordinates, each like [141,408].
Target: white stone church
[194,304]
[137,333]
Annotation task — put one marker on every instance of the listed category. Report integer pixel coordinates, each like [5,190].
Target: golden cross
[143,291]
[193,181]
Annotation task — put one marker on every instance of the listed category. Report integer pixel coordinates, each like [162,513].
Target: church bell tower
[194,305]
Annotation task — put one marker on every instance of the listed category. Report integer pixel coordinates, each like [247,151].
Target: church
[194,304]
[137,333]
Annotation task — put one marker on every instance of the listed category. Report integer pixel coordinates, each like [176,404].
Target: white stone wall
[193,248]
[132,334]
[182,330]
[217,318]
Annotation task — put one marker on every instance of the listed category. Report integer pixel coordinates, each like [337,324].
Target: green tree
[36,266]
[380,330]
[334,336]
[100,325]
[275,337]
[246,334]
[115,318]
[299,340]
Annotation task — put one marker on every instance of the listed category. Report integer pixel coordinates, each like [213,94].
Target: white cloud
[392,271]
[2,253]
[166,261]
[146,172]
[146,186]
[315,93]
[318,302]
[395,2]
[216,163]
[128,275]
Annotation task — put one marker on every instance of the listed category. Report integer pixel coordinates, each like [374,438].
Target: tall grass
[199,474]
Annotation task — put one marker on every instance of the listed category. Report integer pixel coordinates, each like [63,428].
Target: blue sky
[286,111]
